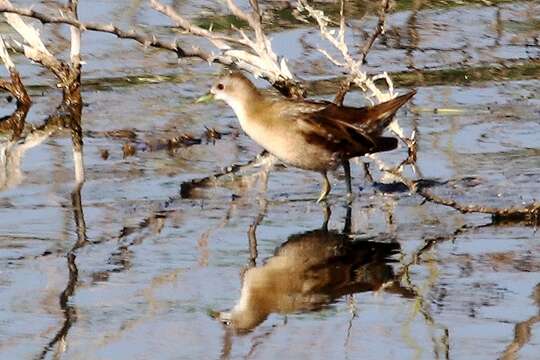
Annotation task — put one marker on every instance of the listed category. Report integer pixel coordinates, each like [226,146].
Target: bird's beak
[205,98]
[213,314]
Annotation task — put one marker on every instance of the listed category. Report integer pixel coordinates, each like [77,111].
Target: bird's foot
[322,198]
[326,187]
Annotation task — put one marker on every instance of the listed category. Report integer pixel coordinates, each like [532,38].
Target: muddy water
[123,267]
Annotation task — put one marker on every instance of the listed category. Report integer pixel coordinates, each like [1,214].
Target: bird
[311,135]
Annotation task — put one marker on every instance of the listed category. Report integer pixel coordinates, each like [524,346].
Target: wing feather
[347,130]
[343,130]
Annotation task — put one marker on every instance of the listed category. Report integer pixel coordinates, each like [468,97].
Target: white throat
[238,108]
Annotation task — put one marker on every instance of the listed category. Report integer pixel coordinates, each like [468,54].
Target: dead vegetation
[247,50]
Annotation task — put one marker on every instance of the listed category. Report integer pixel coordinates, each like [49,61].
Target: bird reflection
[310,271]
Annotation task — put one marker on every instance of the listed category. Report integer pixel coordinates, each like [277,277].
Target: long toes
[322,197]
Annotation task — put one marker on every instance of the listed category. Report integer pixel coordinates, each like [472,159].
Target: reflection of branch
[203,239]
[420,305]
[15,86]
[252,232]
[265,160]
[70,313]
[522,335]
[14,123]
[12,152]
[522,331]
[69,310]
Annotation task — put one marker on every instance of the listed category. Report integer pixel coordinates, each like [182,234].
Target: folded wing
[351,131]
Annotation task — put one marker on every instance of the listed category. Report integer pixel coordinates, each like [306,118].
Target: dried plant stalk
[356,73]
[253,54]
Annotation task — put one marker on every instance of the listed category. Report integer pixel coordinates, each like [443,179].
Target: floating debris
[212,134]
[183,140]
[115,134]
[104,153]
[129,150]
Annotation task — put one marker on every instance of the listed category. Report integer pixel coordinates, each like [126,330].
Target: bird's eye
[220,86]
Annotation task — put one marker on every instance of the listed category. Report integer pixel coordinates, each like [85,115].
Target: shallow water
[124,267]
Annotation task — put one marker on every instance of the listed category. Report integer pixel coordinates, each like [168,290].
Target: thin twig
[347,83]
[357,75]
[219,40]
[528,213]
[385,7]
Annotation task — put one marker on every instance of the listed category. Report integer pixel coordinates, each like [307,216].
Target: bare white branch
[29,33]
[354,67]
[251,53]
[75,52]
[4,55]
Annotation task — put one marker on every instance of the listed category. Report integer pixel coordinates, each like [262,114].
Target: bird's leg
[347,169]
[325,189]
[348,220]
[327,213]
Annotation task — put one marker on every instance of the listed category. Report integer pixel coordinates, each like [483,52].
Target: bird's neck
[248,107]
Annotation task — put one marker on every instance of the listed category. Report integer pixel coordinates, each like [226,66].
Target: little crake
[310,135]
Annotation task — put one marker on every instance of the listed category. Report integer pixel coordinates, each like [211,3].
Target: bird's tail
[381,115]
[383,143]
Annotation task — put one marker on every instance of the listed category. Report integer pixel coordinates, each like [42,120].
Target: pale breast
[285,141]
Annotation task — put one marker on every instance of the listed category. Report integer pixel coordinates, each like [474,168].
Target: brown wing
[369,120]
[351,131]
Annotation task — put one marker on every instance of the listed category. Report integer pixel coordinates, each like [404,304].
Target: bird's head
[233,88]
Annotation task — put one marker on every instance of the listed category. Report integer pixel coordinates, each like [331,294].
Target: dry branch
[253,54]
[357,75]
[69,80]
[14,86]
[264,161]
[140,37]
[346,83]
[35,50]
[529,213]
[75,52]
[379,29]
[260,60]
